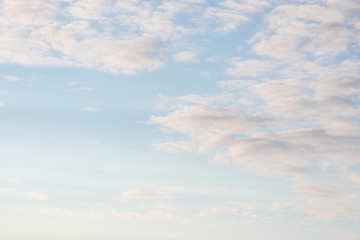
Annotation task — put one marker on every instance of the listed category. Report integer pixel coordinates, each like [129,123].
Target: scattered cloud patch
[249,67]
[213,59]
[15,192]
[186,56]
[230,14]
[90,109]
[293,109]
[11,78]
[207,74]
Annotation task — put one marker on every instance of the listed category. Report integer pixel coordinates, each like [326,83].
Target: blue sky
[193,119]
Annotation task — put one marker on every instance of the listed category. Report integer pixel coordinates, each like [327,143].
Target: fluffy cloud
[301,31]
[186,56]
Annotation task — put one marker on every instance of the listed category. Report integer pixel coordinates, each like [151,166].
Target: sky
[173,120]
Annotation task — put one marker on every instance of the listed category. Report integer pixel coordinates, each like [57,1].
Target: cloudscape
[180,119]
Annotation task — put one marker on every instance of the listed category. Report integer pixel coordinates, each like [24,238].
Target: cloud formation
[296,114]
[121,37]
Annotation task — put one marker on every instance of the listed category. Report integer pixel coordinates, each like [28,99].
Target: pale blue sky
[193,119]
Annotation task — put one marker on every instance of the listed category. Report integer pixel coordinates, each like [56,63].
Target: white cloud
[2,104]
[115,36]
[249,67]
[90,109]
[11,78]
[186,56]
[299,31]
[213,59]
[230,13]
[296,114]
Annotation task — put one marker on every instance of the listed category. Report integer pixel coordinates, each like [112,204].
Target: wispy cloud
[230,13]
[16,192]
[249,67]
[142,194]
[81,89]
[90,109]
[11,78]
